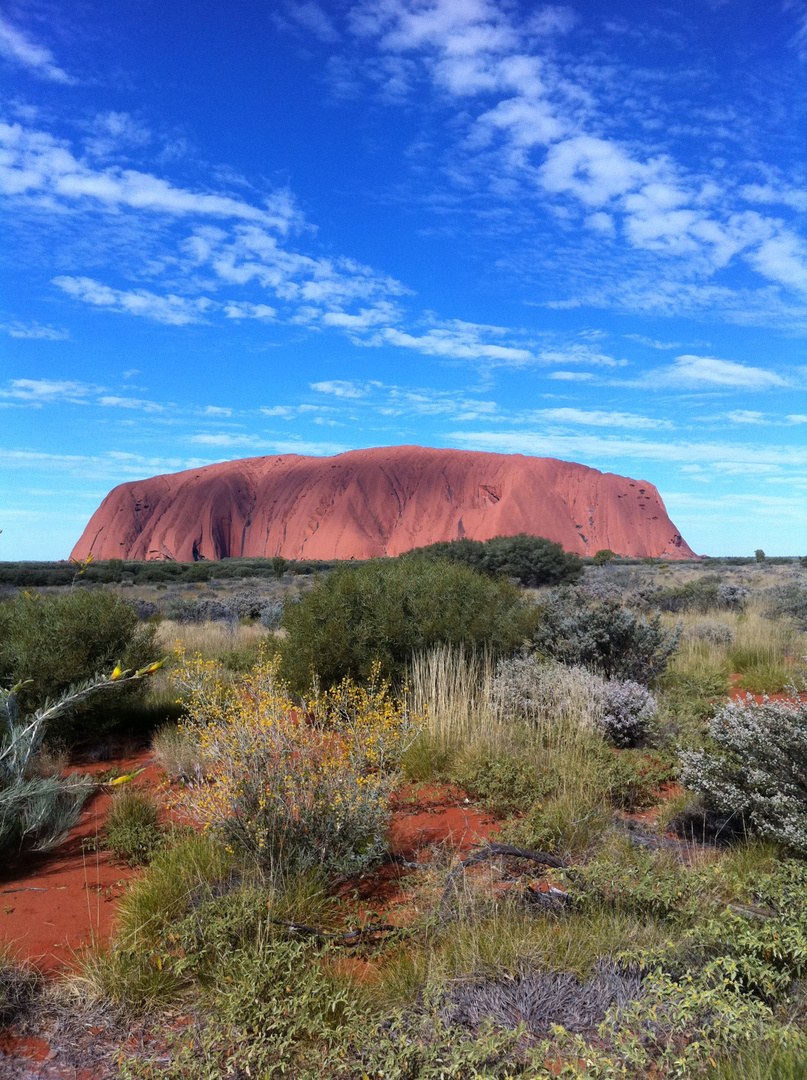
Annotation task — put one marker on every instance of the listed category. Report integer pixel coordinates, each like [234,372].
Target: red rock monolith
[382,501]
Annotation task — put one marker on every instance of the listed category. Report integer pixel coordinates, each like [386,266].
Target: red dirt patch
[429,815]
[56,903]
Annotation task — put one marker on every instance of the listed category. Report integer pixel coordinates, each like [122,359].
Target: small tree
[760,555]
[604,556]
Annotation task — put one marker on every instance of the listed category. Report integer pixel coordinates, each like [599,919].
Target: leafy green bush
[755,768]
[702,594]
[388,610]
[603,636]
[50,643]
[532,560]
[505,782]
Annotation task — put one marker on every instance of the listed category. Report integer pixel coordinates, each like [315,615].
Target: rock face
[376,502]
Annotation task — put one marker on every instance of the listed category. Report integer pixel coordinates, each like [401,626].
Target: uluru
[381,501]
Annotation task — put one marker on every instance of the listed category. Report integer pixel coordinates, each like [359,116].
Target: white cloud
[171,310]
[216,410]
[728,458]
[707,372]
[457,340]
[47,391]
[18,47]
[235,310]
[284,412]
[311,17]
[796,418]
[112,131]
[592,169]
[130,403]
[276,446]
[480,48]
[782,195]
[35,162]
[571,376]
[782,258]
[746,416]
[34,331]
[600,418]
[653,343]
[579,354]
[340,388]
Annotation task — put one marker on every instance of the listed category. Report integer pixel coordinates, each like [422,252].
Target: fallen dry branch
[352,937]
[492,851]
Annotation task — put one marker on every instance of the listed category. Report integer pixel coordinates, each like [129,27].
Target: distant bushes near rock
[703,595]
[530,560]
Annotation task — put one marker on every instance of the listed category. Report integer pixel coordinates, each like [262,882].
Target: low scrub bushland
[132,830]
[292,782]
[386,611]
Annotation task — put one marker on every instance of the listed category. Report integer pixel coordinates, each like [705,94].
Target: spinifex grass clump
[302,784]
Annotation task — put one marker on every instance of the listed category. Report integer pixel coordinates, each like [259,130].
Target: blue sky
[257,228]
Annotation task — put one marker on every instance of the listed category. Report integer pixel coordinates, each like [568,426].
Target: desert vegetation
[624,749]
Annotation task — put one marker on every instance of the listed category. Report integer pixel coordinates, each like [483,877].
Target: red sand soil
[382,501]
[736,694]
[423,816]
[55,904]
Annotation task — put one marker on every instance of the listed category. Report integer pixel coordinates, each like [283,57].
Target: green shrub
[132,831]
[603,636]
[388,610]
[532,560]
[755,768]
[505,782]
[50,643]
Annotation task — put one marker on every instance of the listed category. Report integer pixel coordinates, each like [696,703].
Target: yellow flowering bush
[292,781]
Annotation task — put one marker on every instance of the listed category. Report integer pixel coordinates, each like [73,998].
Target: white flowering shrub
[533,688]
[628,707]
[716,633]
[756,768]
[530,687]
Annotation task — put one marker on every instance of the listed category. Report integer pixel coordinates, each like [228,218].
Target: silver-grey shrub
[531,688]
[628,708]
[716,633]
[756,768]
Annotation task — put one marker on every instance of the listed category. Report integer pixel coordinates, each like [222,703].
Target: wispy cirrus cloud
[34,331]
[20,48]
[599,418]
[171,310]
[709,372]
[532,125]
[48,391]
[36,164]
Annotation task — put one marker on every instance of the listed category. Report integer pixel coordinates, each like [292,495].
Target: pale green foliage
[756,768]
